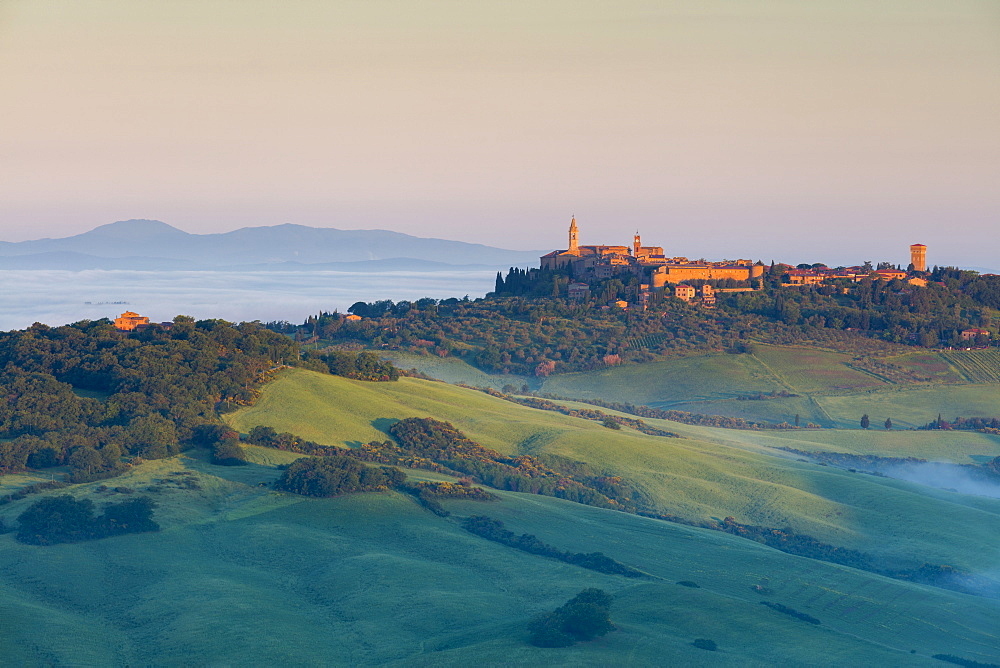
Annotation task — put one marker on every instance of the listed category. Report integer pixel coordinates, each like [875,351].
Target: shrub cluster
[65,519]
[336,475]
[425,443]
[224,443]
[267,437]
[357,366]
[453,490]
[427,494]
[584,617]
[761,396]
[32,489]
[786,540]
[844,459]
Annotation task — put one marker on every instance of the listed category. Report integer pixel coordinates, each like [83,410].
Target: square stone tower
[918,257]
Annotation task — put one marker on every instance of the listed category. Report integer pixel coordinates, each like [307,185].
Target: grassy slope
[716,376]
[831,393]
[710,473]
[244,575]
[454,370]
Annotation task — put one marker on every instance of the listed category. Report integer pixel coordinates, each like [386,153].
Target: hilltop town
[659,273]
[641,288]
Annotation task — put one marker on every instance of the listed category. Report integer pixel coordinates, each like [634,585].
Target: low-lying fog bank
[56,297]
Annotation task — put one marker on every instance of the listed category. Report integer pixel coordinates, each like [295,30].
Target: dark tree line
[791,612]
[491,529]
[985,424]
[610,421]
[65,519]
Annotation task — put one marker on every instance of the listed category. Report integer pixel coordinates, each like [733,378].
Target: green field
[976,366]
[243,575]
[930,365]
[709,473]
[960,447]
[455,370]
[671,383]
[830,392]
[907,406]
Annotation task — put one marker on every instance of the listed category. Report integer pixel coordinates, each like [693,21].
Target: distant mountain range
[153,245]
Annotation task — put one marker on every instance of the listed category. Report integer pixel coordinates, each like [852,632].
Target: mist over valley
[57,297]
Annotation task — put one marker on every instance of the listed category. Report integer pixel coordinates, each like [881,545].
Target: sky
[823,131]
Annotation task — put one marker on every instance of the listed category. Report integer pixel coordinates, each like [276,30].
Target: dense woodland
[528,326]
[93,398]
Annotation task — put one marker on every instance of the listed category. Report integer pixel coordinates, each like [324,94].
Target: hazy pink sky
[836,131]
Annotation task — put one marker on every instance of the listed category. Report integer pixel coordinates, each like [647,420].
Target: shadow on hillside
[251,473]
[384,424]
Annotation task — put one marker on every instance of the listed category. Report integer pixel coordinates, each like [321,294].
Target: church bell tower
[574,243]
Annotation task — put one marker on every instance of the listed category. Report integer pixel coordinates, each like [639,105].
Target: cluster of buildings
[647,262]
[817,275]
[656,271]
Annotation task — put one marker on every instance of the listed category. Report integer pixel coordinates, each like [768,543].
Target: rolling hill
[244,574]
[819,386]
[241,574]
[707,473]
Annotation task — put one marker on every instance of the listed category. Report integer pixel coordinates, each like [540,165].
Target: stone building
[685,292]
[129,321]
[648,262]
